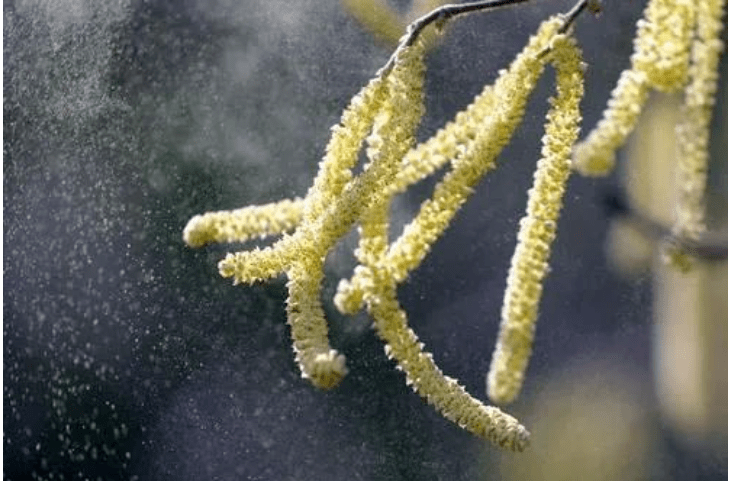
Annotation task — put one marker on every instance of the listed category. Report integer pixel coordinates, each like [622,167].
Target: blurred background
[126,356]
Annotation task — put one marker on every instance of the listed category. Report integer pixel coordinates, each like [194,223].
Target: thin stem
[442,14]
[447,12]
[569,18]
[710,247]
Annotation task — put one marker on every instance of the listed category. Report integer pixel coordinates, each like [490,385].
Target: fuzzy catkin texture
[693,131]
[660,61]
[662,45]
[319,363]
[243,224]
[442,392]
[322,365]
[474,154]
[333,205]
[538,228]
[344,147]
[596,155]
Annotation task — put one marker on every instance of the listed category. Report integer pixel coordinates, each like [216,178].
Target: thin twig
[712,246]
[442,14]
[569,18]
[446,12]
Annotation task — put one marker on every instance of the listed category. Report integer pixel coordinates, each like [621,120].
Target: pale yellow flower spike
[456,136]
[596,155]
[475,157]
[391,105]
[280,217]
[322,365]
[693,132]
[334,172]
[662,45]
[441,391]
[660,61]
[244,224]
[385,148]
[459,136]
[402,345]
[344,146]
[318,362]
[537,229]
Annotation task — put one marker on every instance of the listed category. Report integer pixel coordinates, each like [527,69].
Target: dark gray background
[126,356]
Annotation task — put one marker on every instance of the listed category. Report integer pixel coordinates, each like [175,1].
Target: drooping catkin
[538,227]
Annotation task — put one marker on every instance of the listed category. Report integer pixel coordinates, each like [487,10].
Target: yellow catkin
[422,374]
[344,147]
[247,267]
[319,363]
[384,115]
[331,209]
[596,155]
[283,216]
[375,279]
[693,131]
[243,224]
[394,130]
[537,229]
[456,136]
[662,45]
[402,345]
[659,61]
[387,147]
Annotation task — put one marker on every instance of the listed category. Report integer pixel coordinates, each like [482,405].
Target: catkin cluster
[676,47]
